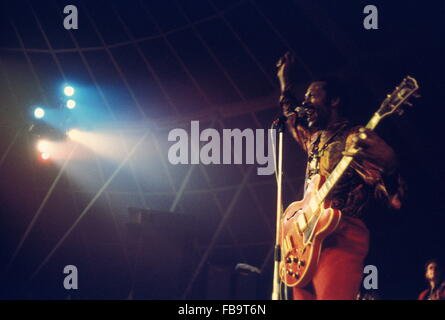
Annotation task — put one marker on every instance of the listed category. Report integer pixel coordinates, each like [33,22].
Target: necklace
[316,153]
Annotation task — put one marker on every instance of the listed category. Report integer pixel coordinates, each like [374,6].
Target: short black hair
[335,88]
[432,261]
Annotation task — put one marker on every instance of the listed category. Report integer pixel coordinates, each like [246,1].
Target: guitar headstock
[400,95]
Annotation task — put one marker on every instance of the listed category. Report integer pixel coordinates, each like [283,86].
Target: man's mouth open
[312,116]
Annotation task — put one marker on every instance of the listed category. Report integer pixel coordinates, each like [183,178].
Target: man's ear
[335,102]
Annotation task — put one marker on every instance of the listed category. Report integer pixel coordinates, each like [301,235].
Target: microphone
[301,111]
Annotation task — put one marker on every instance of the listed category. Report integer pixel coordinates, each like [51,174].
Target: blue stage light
[39,113]
[71,104]
[69,91]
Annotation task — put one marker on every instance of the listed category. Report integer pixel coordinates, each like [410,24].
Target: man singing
[325,134]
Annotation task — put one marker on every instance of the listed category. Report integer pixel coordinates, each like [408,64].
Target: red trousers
[340,268]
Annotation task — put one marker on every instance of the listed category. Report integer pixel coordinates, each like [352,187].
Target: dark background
[161,64]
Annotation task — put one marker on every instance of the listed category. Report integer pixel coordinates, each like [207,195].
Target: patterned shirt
[362,182]
[433,294]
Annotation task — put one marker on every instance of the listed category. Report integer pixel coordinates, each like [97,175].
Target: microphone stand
[280,125]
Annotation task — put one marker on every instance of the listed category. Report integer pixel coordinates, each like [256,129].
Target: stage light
[45,155]
[73,134]
[68,90]
[71,104]
[39,113]
[42,146]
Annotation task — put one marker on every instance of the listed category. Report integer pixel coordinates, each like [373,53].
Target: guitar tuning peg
[408,103]
[416,95]
[400,111]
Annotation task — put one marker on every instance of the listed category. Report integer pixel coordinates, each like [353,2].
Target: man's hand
[286,66]
[372,148]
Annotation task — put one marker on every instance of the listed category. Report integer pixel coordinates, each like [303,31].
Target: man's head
[432,271]
[324,98]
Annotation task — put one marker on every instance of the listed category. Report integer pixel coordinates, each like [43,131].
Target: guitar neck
[339,169]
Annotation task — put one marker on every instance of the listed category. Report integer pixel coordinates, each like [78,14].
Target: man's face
[431,271]
[315,97]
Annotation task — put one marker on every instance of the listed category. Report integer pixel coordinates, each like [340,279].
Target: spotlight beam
[90,204]
[11,144]
[39,210]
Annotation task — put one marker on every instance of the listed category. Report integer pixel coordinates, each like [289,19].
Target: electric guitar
[306,223]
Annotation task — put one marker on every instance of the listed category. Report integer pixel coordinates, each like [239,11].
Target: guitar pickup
[287,245]
[301,222]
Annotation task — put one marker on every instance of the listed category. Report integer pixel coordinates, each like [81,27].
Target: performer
[324,134]
[433,275]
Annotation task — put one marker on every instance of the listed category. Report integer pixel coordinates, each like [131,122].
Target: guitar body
[303,231]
